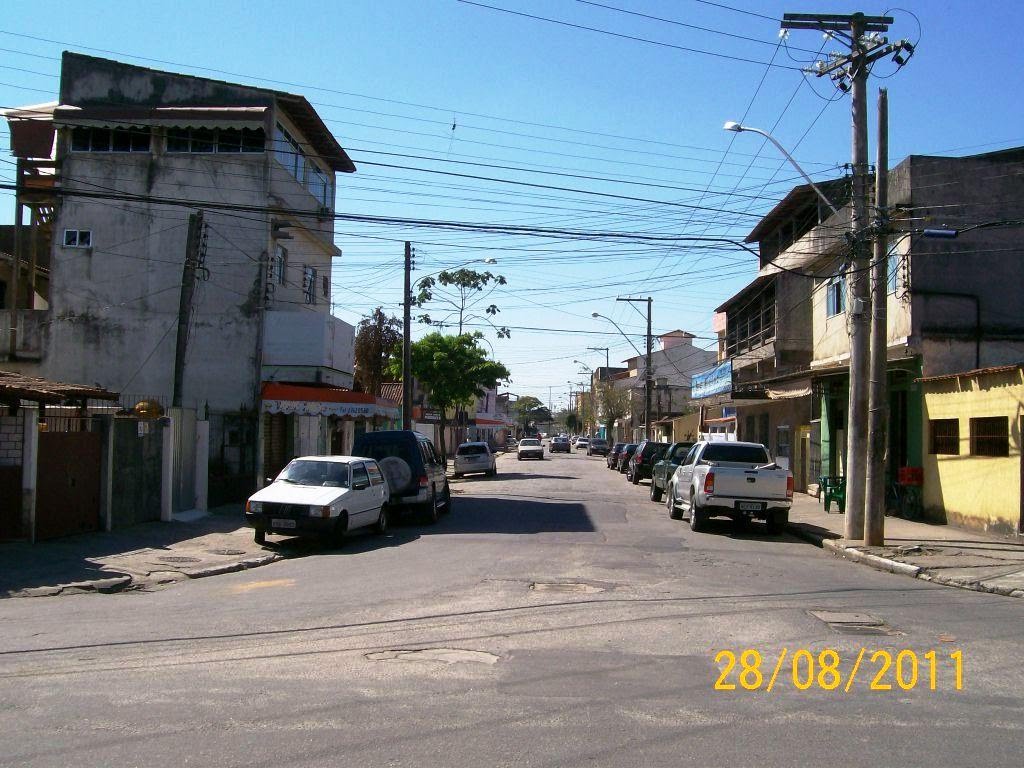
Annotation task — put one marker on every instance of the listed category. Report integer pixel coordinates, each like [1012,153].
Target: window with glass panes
[835,295]
[990,436]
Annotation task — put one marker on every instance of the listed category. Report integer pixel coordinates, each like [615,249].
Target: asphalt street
[556,617]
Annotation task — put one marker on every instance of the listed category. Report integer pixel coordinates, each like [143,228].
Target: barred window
[309,284]
[990,436]
[944,437]
[222,140]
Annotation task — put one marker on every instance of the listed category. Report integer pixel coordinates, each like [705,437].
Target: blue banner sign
[713,382]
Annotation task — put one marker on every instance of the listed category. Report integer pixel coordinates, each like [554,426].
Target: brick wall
[10,440]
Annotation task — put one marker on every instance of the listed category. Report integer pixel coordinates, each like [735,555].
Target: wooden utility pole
[407,340]
[878,397]
[188,285]
[850,72]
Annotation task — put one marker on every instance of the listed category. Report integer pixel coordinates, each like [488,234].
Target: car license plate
[750,506]
[280,523]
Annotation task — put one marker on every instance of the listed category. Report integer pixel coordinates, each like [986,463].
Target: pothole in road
[566,586]
[853,623]
[436,655]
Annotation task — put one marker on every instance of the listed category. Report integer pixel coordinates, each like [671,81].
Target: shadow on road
[497,514]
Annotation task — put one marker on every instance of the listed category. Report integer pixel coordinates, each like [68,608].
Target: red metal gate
[68,483]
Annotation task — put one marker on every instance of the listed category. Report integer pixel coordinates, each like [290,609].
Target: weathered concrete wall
[114,307]
[983,263]
[308,340]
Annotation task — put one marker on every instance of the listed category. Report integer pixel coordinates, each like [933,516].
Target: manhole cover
[853,623]
[437,655]
[226,552]
[178,559]
[565,586]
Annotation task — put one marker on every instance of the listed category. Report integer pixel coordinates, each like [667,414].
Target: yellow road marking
[269,584]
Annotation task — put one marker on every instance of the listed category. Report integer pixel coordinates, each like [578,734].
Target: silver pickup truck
[736,480]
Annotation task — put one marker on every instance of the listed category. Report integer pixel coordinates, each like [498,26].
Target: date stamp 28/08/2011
[879,670]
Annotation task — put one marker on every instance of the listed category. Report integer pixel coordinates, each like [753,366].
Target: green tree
[612,403]
[377,348]
[459,295]
[454,370]
[530,410]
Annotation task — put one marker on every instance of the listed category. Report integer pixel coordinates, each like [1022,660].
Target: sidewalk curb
[893,566]
[128,582]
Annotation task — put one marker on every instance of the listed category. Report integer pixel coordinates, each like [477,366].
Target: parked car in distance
[530,448]
[598,447]
[415,472]
[647,452]
[613,455]
[559,444]
[582,444]
[622,464]
[321,496]
[736,480]
[665,467]
[475,457]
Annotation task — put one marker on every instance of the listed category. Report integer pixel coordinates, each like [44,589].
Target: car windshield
[598,441]
[471,450]
[332,474]
[741,454]
[528,442]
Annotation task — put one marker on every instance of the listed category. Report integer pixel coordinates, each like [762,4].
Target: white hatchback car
[475,457]
[322,496]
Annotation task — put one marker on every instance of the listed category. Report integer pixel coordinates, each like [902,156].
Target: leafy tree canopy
[454,370]
[459,297]
[530,409]
[377,348]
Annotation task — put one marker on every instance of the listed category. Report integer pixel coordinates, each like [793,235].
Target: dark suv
[414,470]
[647,452]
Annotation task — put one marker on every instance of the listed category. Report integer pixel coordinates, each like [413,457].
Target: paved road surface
[556,618]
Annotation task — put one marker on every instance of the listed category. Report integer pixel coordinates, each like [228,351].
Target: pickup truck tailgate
[738,483]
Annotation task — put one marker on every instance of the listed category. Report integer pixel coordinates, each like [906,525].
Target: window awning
[163,117]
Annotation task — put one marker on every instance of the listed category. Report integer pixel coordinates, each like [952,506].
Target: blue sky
[628,127]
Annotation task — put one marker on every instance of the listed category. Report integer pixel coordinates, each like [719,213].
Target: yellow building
[973,464]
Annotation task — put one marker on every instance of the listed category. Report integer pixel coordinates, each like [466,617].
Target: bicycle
[908,502]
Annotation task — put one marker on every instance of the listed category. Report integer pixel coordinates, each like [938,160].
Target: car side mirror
[269,480]
[360,486]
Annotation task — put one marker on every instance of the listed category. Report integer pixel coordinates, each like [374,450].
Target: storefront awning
[787,390]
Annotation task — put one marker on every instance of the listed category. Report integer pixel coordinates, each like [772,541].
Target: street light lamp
[647,359]
[735,127]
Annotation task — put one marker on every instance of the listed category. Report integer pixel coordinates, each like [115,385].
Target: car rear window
[383,448]
[471,450]
[529,442]
[741,454]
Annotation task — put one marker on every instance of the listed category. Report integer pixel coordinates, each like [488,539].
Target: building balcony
[307,346]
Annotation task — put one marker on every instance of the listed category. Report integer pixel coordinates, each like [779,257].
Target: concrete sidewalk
[136,557]
[939,553]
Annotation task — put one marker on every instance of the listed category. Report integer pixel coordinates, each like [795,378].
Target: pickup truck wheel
[635,478]
[698,520]
[655,491]
[777,522]
[670,504]
[260,537]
